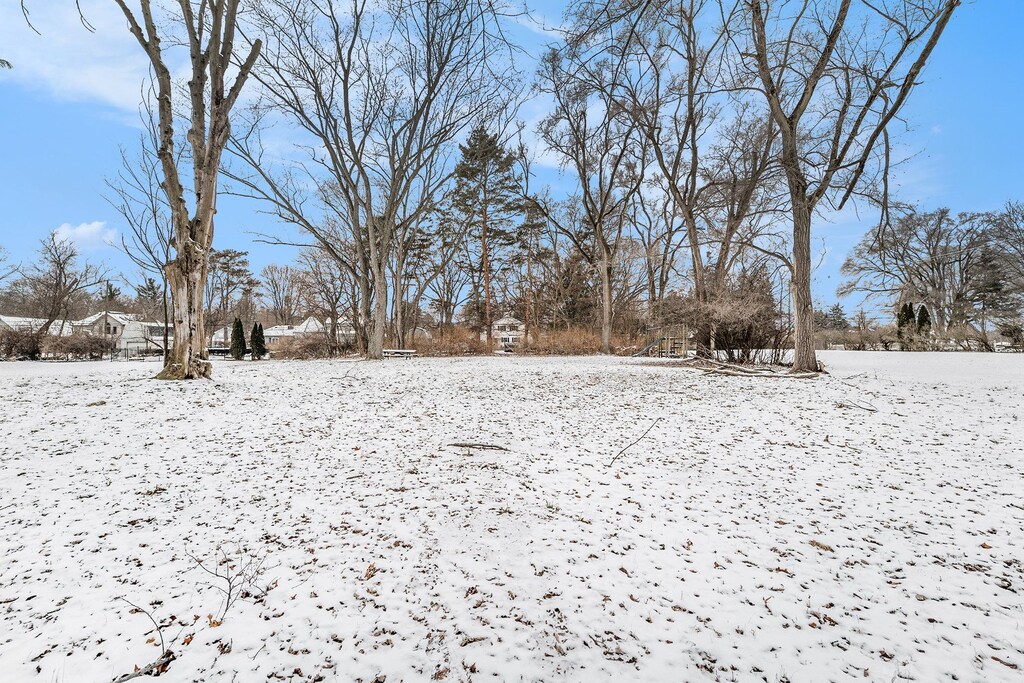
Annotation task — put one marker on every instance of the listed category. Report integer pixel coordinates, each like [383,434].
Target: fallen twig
[478,446]
[853,404]
[612,461]
[159,666]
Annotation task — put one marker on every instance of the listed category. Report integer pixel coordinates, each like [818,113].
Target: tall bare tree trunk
[605,266]
[375,347]
[804,357]
[188,358]
[166,319]
[210,33]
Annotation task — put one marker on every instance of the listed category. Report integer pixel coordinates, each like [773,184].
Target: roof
[507,320]
[308,326]
[120,317]
[59,327]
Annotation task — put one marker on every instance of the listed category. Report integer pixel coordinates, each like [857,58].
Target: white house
[127,331]
[221,337]
[274,336]
[507,332]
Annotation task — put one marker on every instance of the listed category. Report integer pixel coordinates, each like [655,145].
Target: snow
[764,529]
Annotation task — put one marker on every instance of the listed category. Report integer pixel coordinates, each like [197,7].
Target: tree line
[701,141]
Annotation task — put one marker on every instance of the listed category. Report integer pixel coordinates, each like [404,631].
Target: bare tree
[139,198]
[6,268]
[594,137]
[280,288]
[1007,231]
[383,91]
[209,33]
[56,281]
[230,289]
[834,77]
[323,291]
[949,263]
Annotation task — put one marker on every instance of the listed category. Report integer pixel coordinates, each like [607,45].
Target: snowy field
[868,525]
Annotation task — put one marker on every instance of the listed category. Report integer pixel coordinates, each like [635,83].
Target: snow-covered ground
[868,525]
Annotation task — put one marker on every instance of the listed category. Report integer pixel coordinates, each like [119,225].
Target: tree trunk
[529,294]
[606,300]
[398,314]
[167,348]
[188,359]
[375,347]
[700,289]
[804,358]
[487,277]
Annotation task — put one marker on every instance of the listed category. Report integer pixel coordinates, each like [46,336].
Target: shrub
[304,347]
[77,347]
[237,340]
[259,342]
[456,341]
[16,344]
[570,342]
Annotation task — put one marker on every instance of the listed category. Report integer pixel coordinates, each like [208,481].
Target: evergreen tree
[237,340]
[821,321]
[487,197]
[110,297]
[905,323]
[837,318]
[148,291]
[258,342]
[924,321]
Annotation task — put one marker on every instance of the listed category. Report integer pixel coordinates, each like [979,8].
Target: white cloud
[936,130]
[69,62]
[88,236]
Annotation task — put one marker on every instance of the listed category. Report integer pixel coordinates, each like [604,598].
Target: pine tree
[837,318]
[487,196]
[905,322]
[259,344]
[924,321]
[237,340]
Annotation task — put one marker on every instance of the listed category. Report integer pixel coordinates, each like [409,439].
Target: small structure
[128,333]
[399,353]
[277,334]
[221,338]
[673,347]
[671,342]
[507,332]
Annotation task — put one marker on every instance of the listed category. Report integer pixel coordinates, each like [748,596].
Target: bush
[77,347]
[258,342]
[304,347]
[457,341]
[1013,332]
[570,342]
[15,344]
[237,340]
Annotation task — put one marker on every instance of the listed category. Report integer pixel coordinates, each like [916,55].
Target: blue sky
[71,101]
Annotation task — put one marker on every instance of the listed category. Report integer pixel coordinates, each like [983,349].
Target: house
[221,338]
[127,331]
[507,332]
[59,328]
[274,336]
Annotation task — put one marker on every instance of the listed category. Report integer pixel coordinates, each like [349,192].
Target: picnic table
[399,353]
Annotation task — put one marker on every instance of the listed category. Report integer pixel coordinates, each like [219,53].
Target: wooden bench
[399,353]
